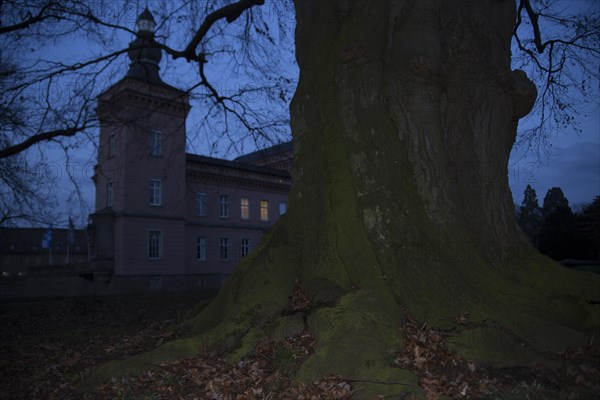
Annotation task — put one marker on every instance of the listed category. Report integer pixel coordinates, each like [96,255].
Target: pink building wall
[129,111]
[217,178]
[131,247]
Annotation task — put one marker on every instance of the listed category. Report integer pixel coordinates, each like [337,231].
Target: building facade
[159,210]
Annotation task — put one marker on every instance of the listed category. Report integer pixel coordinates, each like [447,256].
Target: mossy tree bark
[403,121]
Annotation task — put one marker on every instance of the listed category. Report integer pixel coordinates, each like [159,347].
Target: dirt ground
[47,347]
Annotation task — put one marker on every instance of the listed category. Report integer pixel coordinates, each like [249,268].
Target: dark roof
[268,152]
[147,15]
[161,83]
[235,165]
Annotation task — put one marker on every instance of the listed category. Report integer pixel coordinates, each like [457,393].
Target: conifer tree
[530,215]
[555,199]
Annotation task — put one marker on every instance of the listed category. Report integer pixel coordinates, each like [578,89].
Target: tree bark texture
[403,121]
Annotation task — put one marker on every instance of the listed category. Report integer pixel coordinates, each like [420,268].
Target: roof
[147,15]
[264,153]
[195,158]
[126,77]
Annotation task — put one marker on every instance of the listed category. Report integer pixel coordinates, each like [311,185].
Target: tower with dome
[161,212]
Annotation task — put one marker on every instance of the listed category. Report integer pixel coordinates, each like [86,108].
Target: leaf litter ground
[47,347]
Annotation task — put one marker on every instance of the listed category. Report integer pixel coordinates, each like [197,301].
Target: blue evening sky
[573,163]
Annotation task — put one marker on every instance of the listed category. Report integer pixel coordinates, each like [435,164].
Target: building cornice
[231,225]
[195,159]
[143,95]
[121,214]
[239,181]
[215,170]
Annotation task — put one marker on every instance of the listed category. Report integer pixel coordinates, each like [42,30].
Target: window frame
[264,210]
[224,248]
[201,249]
[156,141]
[282,204]
[223,206]
[245,208]
[110,193]
[111,145]
[203,202]
[244,247]
[154,189]
[159,244]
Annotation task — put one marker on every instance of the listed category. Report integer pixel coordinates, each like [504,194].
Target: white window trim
[201,259]
[160,244]
[153,133]
[221,197]
[247,218]
[220,248]
[267,210]
[246,247]
[198,213]
[152,201]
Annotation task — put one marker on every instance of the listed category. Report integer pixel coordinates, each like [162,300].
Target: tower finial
[143,52]
[145,21]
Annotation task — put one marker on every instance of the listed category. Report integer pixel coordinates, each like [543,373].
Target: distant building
[160,211]
[23,250]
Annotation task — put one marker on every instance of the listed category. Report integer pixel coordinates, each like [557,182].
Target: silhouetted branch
[32,19]
[230,13]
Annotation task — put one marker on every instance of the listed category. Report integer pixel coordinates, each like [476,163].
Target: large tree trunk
[403,122]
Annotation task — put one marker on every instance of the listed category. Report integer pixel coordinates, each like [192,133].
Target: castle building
[159,210]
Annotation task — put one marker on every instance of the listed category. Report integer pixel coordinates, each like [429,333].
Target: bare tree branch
[230,13]
[39,17]
[563,66]
[39,137]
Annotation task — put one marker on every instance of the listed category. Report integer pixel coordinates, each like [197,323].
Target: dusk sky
[572,163]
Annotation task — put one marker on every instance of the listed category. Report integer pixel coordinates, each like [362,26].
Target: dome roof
[145,21]
[146,15]
[144,53]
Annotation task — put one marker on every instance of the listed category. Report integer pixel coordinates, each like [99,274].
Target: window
[282,207]
[264,210]
[155,192]
[245,247]
[245,207]
[224,248]
[201,204]
[111,145]
[201,249]
[154,244]
[155,142]
[109,194]
[224,206]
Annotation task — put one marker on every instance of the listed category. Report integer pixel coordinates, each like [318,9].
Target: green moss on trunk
[400,202]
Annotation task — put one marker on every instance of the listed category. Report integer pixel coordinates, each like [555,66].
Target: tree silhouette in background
[554,199]
[590,226]
[560,237]
[555,230]
[530,215]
